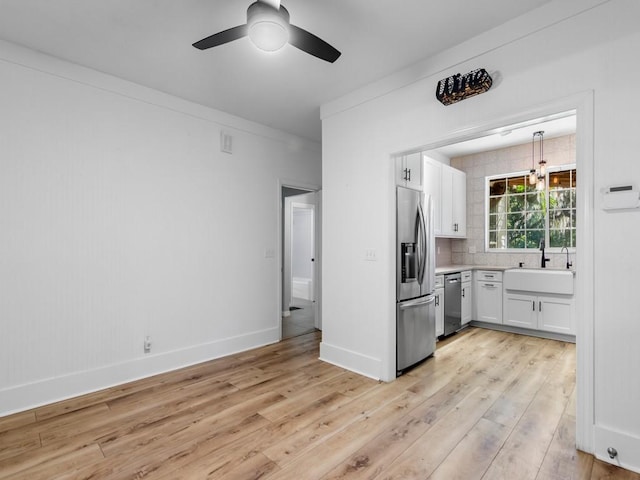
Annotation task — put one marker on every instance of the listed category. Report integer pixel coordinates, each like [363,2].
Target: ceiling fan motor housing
[268,27]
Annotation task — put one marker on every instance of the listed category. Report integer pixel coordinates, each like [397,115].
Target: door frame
[317,272]
[583,104]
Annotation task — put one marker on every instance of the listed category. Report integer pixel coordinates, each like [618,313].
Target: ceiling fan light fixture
[268,28]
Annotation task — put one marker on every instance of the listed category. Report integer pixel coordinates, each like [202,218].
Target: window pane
[534,237]
[560,238]
[535,201]
[560,219]
[535,220]
[497,204]
[497,187]
[516,239]
[561,199]
[516,184]
[516,203]
[498,222]
[560,180]
[515,221]
[573,178]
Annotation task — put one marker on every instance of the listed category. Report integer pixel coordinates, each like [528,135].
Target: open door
[299,268]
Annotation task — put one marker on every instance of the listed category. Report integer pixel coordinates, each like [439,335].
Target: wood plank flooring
[489,405]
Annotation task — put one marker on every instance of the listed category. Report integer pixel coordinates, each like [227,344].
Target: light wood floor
[490,405]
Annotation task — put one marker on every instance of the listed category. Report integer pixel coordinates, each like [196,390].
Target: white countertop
[460,268]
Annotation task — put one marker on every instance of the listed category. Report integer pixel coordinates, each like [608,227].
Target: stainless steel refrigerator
[415,265]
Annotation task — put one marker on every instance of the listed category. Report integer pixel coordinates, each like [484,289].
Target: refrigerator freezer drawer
[415,331]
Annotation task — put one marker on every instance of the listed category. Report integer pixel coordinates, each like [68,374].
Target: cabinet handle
[409,174]
[533,305]
[437,300]
[539,306]
[463,292]
[406,173]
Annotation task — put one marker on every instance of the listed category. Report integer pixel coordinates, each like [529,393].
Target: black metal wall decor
[458,87]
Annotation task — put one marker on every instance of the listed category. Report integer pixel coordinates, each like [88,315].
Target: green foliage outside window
[520,216]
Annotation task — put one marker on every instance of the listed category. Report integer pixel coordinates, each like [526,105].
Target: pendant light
[537,177]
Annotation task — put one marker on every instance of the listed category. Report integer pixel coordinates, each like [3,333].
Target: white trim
[350,360]
[310,188]
[626,446]
[50,390]
[585,261]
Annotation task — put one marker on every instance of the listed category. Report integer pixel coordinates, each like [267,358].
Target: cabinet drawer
[465,276]
[489,275]
[439,281]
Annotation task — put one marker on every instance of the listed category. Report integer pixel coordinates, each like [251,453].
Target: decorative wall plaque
[458,87]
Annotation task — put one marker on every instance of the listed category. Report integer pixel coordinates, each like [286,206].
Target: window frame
[525,173]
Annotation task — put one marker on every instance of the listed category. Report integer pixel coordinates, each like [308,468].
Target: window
[518,217]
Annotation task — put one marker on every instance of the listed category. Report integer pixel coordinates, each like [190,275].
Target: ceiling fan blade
[273,3]
[220,38]
[308,42]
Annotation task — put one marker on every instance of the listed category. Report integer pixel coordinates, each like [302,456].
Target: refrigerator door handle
[421,237]
[418,303]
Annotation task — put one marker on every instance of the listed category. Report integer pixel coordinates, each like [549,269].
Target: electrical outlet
[147,344]
[371,255]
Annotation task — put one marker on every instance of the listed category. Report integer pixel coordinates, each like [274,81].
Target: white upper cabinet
[409,170]
[448,189]
[432,173]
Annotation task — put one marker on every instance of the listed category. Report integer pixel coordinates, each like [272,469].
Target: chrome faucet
[544,260]
[569,264]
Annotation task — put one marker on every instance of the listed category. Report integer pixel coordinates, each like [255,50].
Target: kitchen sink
[542,280]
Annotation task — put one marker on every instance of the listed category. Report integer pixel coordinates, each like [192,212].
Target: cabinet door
[409,170]
[489,301]
[556,315]
[439,293]
[459,202]
[520,310]
[446,207]
[467,303]
[454,202]
[432,178]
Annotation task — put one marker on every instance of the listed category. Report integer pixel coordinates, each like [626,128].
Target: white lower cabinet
[466,307]
[489,301]
[439,293]
[520,311]
[540,312]
[488,296]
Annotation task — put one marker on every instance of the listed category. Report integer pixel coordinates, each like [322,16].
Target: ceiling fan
[269,29]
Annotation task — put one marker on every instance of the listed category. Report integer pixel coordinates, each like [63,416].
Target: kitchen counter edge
[463,268]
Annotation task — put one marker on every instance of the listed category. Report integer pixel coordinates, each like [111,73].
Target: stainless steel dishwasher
[452,303]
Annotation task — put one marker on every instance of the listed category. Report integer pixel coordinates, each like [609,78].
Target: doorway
[582,106]
[299,271]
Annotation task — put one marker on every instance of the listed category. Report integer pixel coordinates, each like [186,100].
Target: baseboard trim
[627,447]
[350,360]
[524,331]
[36,394]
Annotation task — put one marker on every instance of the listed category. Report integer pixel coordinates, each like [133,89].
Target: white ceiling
[149,42]
[509,135]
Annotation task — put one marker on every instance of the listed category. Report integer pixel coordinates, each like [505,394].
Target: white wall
[121,218]
[533,65]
